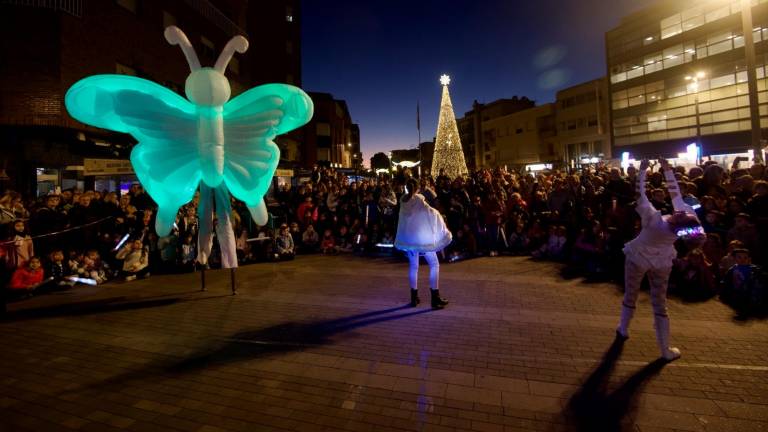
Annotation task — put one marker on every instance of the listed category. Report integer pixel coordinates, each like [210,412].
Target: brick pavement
[324,343]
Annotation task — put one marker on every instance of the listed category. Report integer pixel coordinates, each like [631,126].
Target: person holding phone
[652,253]
[421,231]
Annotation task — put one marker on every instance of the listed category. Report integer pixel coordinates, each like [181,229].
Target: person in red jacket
[27,278]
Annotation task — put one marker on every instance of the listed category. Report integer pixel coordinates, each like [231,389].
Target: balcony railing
[217,17]
[72,7]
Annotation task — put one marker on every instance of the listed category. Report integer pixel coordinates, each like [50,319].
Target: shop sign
[100,167]
[282,172]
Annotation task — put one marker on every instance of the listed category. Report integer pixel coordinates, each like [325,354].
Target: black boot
[437,302]
[415,298]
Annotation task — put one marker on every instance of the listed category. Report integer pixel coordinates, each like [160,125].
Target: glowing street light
[695,86]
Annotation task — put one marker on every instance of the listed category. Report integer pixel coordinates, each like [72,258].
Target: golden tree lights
[448,155]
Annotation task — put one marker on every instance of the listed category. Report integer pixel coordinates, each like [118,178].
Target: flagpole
[418,128]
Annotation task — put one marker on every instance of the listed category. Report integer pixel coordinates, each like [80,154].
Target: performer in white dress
[652,252]
[421,231]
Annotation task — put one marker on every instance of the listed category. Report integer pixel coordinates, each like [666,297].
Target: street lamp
[695,86]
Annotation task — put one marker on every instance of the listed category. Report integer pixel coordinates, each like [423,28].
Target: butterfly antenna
[175,36]
[237,43]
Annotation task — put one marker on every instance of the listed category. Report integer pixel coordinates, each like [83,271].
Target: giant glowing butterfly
[226,144]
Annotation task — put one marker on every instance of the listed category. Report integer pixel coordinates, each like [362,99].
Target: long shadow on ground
[254,344]
[100,306]
[594,409]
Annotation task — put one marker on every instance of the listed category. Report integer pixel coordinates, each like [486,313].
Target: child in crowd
[693,277]
[743,286]
[518,239]
[345,242]
[388,238]
[168,247]
[242,248]
[554,248]
[59,271]
[26,279]
[19,248]
[729,260]
[188,253]
[135,260]
[360,241]
[590,247]
[92,267]
[284,244]
[310,239]
[328,245]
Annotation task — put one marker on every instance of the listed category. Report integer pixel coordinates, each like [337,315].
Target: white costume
[652,253]
[421,230]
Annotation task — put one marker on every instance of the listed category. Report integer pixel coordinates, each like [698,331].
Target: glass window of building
[671,26]
[719,13]
[692,18]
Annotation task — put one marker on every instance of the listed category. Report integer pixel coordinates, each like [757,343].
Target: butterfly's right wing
[251,122]
[165,125]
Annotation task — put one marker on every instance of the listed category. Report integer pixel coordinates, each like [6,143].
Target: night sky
[382,56]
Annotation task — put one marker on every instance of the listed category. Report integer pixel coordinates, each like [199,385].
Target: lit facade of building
[522,138]
[677,70]
[582,120]
[475,142]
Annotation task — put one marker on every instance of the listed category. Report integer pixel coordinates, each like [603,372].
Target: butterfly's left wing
[165,125]
[251,122]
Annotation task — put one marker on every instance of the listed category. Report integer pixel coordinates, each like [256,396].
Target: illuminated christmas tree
[448,153]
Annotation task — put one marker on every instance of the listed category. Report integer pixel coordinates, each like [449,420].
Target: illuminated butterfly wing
[165,125]
[251,122]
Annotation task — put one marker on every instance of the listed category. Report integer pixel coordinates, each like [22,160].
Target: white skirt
[421,228]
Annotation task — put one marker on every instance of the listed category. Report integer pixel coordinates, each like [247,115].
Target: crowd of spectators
[581,218]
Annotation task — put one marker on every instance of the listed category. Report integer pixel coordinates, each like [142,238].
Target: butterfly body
[211,142]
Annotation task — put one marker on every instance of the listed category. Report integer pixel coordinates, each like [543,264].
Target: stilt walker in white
[421,231]
[652,252]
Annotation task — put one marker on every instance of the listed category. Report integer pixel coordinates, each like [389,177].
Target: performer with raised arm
[421,231]
[651,253]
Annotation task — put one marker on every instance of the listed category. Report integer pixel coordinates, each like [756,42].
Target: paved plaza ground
[326,343]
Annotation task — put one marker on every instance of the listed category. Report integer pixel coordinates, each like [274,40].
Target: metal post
[749,54]
[700,152]
[202,278]
[232,280]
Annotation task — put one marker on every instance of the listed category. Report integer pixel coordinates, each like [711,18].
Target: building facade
[477,147]
[581,116]
[48,46]
[331,138]
[677,71]
[523,138]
